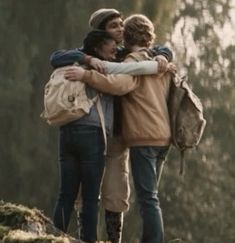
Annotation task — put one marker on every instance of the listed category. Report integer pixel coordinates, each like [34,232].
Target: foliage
[205,193]
[197,208]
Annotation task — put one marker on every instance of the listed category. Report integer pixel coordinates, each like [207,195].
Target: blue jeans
[81,160]
[145,164]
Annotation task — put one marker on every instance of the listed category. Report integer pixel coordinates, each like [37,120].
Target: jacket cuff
[162,50]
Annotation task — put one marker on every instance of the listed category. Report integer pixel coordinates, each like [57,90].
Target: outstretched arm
[62,58]
[132,68]
[118,84]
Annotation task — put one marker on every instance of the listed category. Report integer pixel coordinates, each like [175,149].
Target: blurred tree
[199,208]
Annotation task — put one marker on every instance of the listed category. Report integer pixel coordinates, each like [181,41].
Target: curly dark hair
[94,40]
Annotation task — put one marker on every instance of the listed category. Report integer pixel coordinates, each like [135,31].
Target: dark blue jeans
[145,164]
[81,160]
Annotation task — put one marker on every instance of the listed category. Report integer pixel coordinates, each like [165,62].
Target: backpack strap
[160,169]
[182,162]
[102,121]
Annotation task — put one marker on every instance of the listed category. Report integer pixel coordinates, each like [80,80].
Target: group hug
[120,62]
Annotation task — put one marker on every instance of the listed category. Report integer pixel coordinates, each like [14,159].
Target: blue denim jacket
[68,57]
[62,58]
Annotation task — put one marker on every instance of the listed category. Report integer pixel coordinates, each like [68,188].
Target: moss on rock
[19,216]
[19,236]
[20,224]
[4,231]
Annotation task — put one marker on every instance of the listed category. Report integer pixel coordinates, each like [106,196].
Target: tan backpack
[65,101]
[186,116]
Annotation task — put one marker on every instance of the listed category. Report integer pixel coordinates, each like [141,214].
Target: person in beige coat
[145,119]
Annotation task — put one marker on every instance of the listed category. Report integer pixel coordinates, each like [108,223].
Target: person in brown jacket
[145,121]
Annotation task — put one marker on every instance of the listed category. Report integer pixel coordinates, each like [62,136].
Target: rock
[20,224]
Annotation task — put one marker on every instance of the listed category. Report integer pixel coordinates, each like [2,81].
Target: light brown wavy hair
[139,30]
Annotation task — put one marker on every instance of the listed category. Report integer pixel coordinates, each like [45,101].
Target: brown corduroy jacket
[145,118]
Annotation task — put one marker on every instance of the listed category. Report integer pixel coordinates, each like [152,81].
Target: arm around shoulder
[132,68]
[62,58]
[119,84]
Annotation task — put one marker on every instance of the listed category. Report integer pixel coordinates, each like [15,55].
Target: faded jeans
[81,161]
[145,164]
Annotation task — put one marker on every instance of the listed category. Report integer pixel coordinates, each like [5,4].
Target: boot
[114,225]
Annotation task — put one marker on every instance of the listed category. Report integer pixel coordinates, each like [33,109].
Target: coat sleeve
[115,84]
[62,58]
[162,50]
[132,68]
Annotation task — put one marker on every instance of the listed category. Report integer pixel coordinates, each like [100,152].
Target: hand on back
[164,65]
[74,73]
[97,64]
